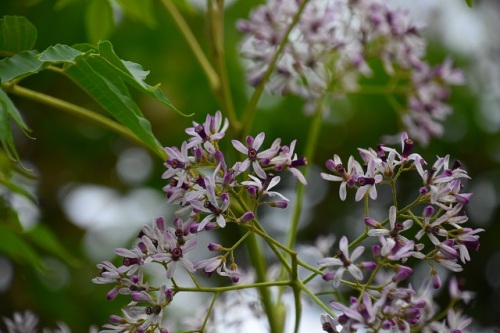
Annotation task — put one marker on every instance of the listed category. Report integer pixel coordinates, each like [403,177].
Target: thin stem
[259,264]
[312,141]
[212,303]
[80,112]
[296,292]
[216,17]
[316,299]
[252,104]
[233,287]
[212,76]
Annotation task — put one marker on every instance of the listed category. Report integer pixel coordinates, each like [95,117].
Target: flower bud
[372,223]
[252,191]
[376,251]
[112,293]
[214,247]
[328,276]
[436,280]
[210,225]
[248,216]
[403,272]
[116,320]
[279,204]
[370,265]
[169,295]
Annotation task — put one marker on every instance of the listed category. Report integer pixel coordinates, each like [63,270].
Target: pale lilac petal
[239,147]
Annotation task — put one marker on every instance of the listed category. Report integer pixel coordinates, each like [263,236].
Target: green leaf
[469,3]
[103,76]
[20,65]
[59,53]
[101,73]
[9,111]
[46,240]
[99,20]
[16,34]
[133,74]
[16,248]
[141,10]
[112,95]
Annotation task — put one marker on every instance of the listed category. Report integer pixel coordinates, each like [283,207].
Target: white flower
[263,189]
[344,261]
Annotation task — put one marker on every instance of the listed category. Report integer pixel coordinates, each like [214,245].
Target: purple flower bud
[214,247]
[135,278]
[160,223]
[252,191]
[228,178]
[169,295]
[224,196]
[328,276]
[265,162]
[403,272]
[412,315]
[219,157]
[436,280]
[177,223]
[248,216]
[376,251]
[387,324]
[279,204]
[210,225]
[428,211]
[198,155]
[116,320]
[448,251]
[139,296]
[193,228]
[330,164]
[112,293]
[463,198]
[372,223]
[142,247]
[369,265]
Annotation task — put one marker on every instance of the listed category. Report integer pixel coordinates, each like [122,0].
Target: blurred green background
[69,153]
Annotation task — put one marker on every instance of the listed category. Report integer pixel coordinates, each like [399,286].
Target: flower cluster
[331,47]
[209,195]
[430,229]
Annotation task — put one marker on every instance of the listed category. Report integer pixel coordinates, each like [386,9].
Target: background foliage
[67,150]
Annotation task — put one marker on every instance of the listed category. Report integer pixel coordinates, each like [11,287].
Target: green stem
[216,17]
[252,104]
[296,292]
[316,299]
[259,264]
[233,287]
[212,303]
[80,112]
[212,76]
[312,141]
